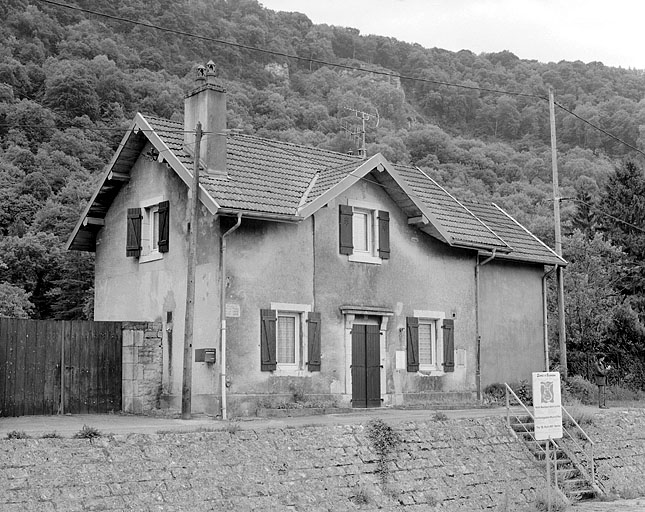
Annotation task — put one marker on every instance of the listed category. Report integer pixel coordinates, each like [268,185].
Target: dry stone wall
[453,465]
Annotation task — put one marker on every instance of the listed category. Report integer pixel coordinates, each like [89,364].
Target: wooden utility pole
[187,375]
[558,242]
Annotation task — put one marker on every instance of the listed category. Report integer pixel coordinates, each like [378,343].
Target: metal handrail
[575,423]
[582,448]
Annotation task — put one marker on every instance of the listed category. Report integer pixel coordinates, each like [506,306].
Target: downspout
[222,311]
[545,325]
[478,374]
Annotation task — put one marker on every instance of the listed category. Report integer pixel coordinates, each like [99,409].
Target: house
[343,278]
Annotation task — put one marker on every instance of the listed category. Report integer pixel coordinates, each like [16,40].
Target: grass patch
[17,434]
[88,432]
[51,435]
[439,416]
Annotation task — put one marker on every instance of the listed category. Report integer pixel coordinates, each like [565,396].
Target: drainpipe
[478,376]
[222,311]
[545,325]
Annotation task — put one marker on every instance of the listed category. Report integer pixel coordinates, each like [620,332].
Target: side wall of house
[129,288]
[511,321]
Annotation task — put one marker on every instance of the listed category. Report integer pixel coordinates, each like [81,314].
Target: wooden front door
[366,366]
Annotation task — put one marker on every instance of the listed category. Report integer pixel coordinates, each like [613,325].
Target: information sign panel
[547,405]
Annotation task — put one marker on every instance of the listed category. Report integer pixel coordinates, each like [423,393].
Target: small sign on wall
[401,363]
[232,310]
[547,405]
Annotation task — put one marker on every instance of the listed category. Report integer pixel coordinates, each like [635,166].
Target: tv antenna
[359,133]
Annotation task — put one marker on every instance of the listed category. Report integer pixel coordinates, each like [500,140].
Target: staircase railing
[581,435]
[591,475]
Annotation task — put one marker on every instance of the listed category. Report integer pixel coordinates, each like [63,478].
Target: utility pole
[187,375]
[558,242]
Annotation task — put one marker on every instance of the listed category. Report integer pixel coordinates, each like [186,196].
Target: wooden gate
[366,366]
[31,380]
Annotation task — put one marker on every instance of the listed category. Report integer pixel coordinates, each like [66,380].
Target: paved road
[636,505]
[67,425]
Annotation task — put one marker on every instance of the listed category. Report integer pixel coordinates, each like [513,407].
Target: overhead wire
[337,65]
[604,213]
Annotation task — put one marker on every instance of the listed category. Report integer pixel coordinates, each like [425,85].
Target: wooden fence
[49,366]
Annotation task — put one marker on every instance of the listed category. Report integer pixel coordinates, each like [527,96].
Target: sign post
[547,410]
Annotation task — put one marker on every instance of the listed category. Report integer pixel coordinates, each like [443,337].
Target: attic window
[364,232]
[148,230]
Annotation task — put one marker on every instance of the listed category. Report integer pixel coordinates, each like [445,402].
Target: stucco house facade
[344,278]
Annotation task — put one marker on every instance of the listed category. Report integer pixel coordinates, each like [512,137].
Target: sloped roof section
[526,246]
[287,182]
[263,175]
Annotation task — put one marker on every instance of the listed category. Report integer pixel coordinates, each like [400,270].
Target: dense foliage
[71,81]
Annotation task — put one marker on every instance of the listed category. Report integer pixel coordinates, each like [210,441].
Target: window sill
[430,372]
[286,371]
[365,258]
[153,256]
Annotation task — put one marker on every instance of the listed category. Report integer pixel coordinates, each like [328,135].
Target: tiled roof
[263,175]
[280,180]
[526,247]
[462,225]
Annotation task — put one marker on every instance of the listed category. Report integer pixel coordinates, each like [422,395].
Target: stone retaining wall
[454,465]
[619,437]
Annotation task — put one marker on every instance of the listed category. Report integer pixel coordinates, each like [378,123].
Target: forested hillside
[70,82]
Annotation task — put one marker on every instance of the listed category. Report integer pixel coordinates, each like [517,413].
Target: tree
[14,301]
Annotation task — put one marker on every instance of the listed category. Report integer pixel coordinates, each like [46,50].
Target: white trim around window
[365,232]
[291,327]
[150,229]
[430,340]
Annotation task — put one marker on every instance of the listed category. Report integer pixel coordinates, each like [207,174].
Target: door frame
[350,313]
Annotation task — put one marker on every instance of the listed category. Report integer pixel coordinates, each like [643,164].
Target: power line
[290,55]
[338,65]
[602,130]
[598,210]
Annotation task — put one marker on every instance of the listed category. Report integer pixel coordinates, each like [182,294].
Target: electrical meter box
[205,355]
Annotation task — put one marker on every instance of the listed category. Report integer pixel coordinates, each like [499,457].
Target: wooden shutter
[268,319]
[164,226]
[384,235]
[412,338]
[313,332]
[133,241]
[345,218]
[448,345]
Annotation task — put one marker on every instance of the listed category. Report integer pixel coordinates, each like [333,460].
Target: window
[148,230]
[427,344]
[289,339]
[364,232]
[430,342]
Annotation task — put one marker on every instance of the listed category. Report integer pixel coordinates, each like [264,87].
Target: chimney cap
[201,73]
[210,66]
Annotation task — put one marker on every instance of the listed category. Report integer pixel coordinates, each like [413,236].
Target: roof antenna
[359,133]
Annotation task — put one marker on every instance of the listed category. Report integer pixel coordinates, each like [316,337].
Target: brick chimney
[206,103]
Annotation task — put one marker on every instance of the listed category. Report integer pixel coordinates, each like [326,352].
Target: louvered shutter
[448,345]
[345,214]
[313,332]
[412,339]
[164,226]
[268,319]
[133,236]
[384,235]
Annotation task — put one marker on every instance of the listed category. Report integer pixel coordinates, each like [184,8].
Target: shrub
[17,434]
[579,388]
[495,393]
[51,435]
